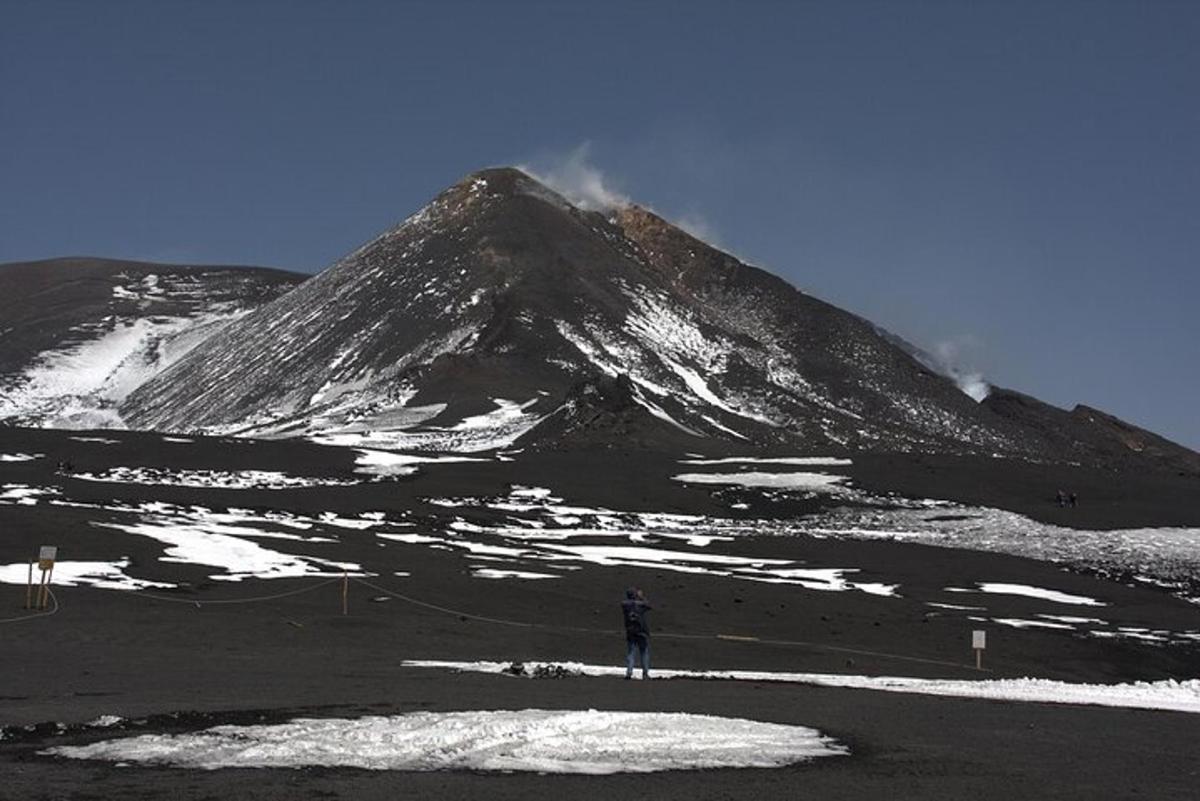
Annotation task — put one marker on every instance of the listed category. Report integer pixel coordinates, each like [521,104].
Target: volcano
[500,308]
[501,315]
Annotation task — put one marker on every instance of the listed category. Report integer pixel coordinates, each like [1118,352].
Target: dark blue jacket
[634,610]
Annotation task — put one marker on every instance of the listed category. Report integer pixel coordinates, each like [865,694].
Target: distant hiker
[1061,498]
[1072,500]
[637,633]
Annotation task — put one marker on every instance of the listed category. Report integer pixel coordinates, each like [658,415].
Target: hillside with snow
[78,335]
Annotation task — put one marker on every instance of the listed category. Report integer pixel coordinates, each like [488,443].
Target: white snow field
[543,741]
[1169,694]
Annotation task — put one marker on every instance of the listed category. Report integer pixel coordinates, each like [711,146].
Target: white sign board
[979,639]
[47,553]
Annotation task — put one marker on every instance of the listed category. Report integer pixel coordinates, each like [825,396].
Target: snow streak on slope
[150,322]
[1178,696]
[81,386]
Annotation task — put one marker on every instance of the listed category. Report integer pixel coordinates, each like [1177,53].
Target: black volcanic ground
[176,665]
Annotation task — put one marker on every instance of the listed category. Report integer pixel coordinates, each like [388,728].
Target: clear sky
[1015,184]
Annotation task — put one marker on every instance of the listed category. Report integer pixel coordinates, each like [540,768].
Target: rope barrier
[664,635]
[445,610]
[51,611]
[735,638]
[258,599]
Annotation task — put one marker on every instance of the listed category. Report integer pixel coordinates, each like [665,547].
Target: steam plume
[574,176]
[953,359]
[578,180]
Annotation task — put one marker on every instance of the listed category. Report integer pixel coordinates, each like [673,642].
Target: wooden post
[29,588]
[49,578]
[345,591]
[41,594]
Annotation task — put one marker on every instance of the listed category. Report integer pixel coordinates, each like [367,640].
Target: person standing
[637,632]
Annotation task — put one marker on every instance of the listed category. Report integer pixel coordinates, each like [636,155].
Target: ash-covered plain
[184,606]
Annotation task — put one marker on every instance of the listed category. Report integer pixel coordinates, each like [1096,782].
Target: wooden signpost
[979,642]
[45,562]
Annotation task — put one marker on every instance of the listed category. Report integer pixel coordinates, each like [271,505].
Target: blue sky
[1015,184]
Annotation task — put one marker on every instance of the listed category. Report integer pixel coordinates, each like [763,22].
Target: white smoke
[955,359]
[574,177]
[699,227]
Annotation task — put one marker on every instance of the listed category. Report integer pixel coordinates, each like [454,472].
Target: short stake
[345,592]
[979,642]
[29,589]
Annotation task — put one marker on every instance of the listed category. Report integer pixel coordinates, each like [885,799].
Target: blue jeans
[639,645]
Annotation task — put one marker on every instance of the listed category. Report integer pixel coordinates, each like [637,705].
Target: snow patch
[214,544]
[812,482]
[390,463]
[23,494]
[101,575]
[210,479]
[810,461]
[1000,588]
[496,573]
[544,741]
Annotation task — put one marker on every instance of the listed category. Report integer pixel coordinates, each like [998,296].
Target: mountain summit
[501,312]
